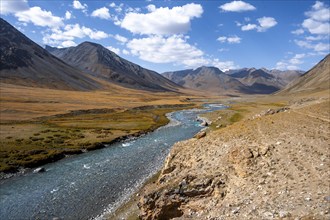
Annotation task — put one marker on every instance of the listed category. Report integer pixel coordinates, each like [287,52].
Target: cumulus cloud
[71,32]
[120,38]
[264,24]
[224,65]
[9,6]
[113,49]
[68,15]
[298,31]
[77,5]
[39,17]
[292,63]
[163,20]
[102,13]
[68,43]
[249,27]
[237,6]
[318,17]
[320,46]
[231,39]
[173,49]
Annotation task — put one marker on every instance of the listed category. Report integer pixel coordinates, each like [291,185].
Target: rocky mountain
[316,79]
[246,80]
[23,62]
[263,80]
[102,63]
[209,79]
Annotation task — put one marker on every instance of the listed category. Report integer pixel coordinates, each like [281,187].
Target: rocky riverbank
[274,164]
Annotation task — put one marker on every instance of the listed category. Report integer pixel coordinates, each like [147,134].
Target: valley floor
[271,164]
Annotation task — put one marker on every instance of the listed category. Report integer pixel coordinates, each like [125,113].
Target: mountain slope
[209,79]
[316,79]
[102,63]
[23,62]
[263,80]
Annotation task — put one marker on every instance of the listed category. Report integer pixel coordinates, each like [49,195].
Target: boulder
[39,170]
[200,135]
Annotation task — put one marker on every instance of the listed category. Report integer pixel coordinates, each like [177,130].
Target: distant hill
[246,80]
[104,64]
[23,62]
[263,80]
[316,79]
[209,79]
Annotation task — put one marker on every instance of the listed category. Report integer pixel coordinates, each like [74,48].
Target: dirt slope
[316,79]
[265,167]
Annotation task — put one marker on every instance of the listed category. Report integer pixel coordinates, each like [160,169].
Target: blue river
[89,185]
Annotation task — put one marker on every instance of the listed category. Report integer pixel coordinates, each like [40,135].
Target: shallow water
[87,185]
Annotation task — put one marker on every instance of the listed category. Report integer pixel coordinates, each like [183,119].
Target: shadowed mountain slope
[23,62]
[316,79]
[102,63]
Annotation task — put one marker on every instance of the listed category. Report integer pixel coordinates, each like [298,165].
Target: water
[87,185]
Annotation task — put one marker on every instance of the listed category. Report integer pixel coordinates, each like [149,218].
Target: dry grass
[43,125]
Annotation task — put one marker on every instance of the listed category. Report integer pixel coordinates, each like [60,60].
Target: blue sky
[165,35]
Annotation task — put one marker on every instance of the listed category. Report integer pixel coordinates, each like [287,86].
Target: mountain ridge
[23,62]
[96,60]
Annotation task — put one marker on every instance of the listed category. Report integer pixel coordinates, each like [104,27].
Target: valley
[79,122]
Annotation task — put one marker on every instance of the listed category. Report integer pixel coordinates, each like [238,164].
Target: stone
[284,214]
[39,170]
[200,135]
[204,123]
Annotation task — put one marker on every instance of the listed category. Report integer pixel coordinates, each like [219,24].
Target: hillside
[102,63]
[316,79]
[243,81]
[263,158]
[209,79]
[25,63]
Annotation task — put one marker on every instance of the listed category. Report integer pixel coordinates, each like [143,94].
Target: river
[85,186]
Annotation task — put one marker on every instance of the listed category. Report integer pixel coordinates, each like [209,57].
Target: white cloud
[112,4]
[224,65]
[173,49]
[72,31]
[68,43]
[102,13]
[159,49]
[126,52]
[248,27]
[292,63]
[298,31]
[162,21]
[120,38]
[77,5]
[231,40]
[318,17]
[264,24]
[68,15]
[151,8]
[113,49]
[237,6]
[9,6]
[318,47]
[39,17]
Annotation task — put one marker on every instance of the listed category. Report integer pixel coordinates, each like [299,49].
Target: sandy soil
[271,165]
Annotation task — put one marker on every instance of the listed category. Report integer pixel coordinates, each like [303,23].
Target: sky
[169,35]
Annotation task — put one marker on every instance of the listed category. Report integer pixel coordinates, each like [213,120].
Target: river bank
[52,138]
[269,164]
[103,179]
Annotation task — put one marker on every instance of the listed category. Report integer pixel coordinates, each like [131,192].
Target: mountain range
[24,62]
[96,60]
[246,80]
[90,66]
